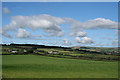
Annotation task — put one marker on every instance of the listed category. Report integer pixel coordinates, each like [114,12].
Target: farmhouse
[52,52]
[14,51]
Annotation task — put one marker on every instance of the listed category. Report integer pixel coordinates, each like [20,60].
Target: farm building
[53,52]
[14,51]
[50,52]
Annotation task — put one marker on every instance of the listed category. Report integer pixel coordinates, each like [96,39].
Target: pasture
[34,66]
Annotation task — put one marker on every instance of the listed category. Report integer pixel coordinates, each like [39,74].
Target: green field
[33,66]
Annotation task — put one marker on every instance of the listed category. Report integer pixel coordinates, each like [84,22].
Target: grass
[96,55]
[32,66]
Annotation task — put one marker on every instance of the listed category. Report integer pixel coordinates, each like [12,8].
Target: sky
[60,23]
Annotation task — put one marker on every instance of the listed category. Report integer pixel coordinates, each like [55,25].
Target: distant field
[32,66]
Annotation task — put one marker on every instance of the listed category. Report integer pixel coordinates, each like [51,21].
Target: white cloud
[52,26]
[100,23]
[66,42]
[81,34]
[77,27]
[22,33]
[78,34]
[47,23]
[6,10]
[84,40]
[77,39]
[4,33]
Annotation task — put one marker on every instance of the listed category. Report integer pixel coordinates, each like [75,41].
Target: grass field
[32,66]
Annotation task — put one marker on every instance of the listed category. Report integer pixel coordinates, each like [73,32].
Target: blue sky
[80,12]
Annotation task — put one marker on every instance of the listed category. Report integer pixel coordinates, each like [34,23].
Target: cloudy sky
[60,24]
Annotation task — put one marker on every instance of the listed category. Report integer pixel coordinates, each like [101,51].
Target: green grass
[95,55]
[32,66]
[5,52]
